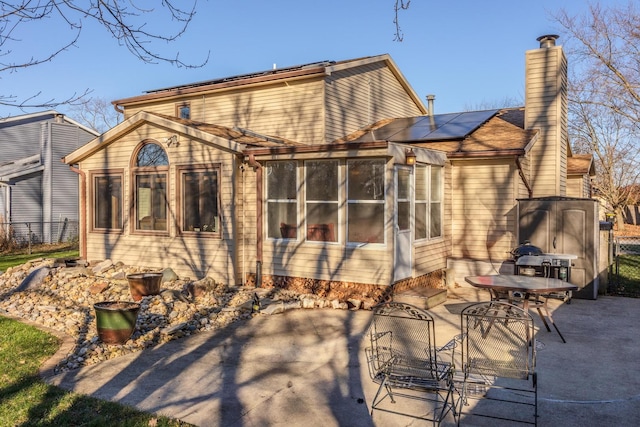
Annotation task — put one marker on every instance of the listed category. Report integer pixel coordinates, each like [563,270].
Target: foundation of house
[428,289]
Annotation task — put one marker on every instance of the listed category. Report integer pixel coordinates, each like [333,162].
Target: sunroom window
[365,200]
[428,201]
[282,200]
[321,189]
[107,195]
[199,196]
[150,191]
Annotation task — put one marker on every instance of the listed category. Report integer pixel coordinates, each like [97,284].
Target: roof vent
[430,99]
[547,41]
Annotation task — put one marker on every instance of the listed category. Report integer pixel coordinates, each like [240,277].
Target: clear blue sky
[466,52]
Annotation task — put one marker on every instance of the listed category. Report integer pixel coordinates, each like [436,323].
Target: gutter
[83,211]
[523,177]
[257,167]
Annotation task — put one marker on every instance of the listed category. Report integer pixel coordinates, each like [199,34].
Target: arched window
[151,154]
[150,178]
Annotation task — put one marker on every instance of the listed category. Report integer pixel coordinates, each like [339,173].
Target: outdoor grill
[530,260]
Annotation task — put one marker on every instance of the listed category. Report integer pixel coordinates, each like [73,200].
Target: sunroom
[366,213]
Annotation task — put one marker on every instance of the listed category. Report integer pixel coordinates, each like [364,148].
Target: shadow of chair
[404,361]
[498,355]
[537,301]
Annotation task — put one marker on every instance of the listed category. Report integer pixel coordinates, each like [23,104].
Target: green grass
[18,257]
[629,276]
[26,400]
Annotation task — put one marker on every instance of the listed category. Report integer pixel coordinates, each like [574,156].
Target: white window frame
[382,201]
[429,202]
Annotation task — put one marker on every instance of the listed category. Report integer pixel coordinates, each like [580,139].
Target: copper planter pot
[143,284]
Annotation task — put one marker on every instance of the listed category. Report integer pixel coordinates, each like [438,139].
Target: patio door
[403,183]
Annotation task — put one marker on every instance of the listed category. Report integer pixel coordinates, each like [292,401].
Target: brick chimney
[546,110]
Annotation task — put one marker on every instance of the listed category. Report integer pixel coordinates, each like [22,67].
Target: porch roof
[581,164]
[20,167]
[472,134]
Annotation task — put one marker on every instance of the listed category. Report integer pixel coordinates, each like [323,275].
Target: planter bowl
[143,284]
[116,320]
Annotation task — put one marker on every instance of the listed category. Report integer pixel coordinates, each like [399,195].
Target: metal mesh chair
[498,363]
[403,360]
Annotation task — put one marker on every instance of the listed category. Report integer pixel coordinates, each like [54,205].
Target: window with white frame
[321,201]
[107,199]
[282,200]
[199,195]
[365,200]
[150,178]
[428,202]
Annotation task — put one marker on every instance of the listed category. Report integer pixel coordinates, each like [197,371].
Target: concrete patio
[307,368]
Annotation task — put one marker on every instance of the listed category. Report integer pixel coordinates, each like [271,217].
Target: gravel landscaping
[51,293]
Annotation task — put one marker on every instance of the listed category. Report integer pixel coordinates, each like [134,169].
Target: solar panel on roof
[434,128]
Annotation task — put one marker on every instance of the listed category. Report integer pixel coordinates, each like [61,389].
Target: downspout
[523,178]
[83,211]
[257,167]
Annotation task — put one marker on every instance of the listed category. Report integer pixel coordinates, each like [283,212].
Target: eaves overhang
[486,154]
[142,118]
[346,150]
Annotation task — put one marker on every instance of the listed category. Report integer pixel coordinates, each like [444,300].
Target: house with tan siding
[325,176]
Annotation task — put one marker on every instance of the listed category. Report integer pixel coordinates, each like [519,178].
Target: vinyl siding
[293,110]
[19,140]
[26,199]
[188,256]
[359,96]
[484,222]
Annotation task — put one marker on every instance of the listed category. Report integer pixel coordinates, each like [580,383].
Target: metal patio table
[528,286]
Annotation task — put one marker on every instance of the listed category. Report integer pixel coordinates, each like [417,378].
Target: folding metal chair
[498,363]
[403,360]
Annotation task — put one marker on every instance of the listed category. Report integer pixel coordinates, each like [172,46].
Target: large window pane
[436,202]
[282,220]
[282,203]
[366,179]
[366,222]
[151,206]
[436,220]
[107,192]
[281,180]
[428,202]
[421,220]
[365,200]
[321,188]
[200,201]
[403,199]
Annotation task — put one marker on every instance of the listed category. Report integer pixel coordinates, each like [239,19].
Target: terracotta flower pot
[116,320]
[143,284]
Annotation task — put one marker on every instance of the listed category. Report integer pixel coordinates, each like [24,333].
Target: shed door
[402,223]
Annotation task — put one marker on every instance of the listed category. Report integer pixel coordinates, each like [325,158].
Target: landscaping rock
[168,275]
[61,298]
[34,279]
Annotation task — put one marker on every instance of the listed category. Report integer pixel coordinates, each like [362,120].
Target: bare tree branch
[96,113]
[397,7]
[604,98]
[124,20]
